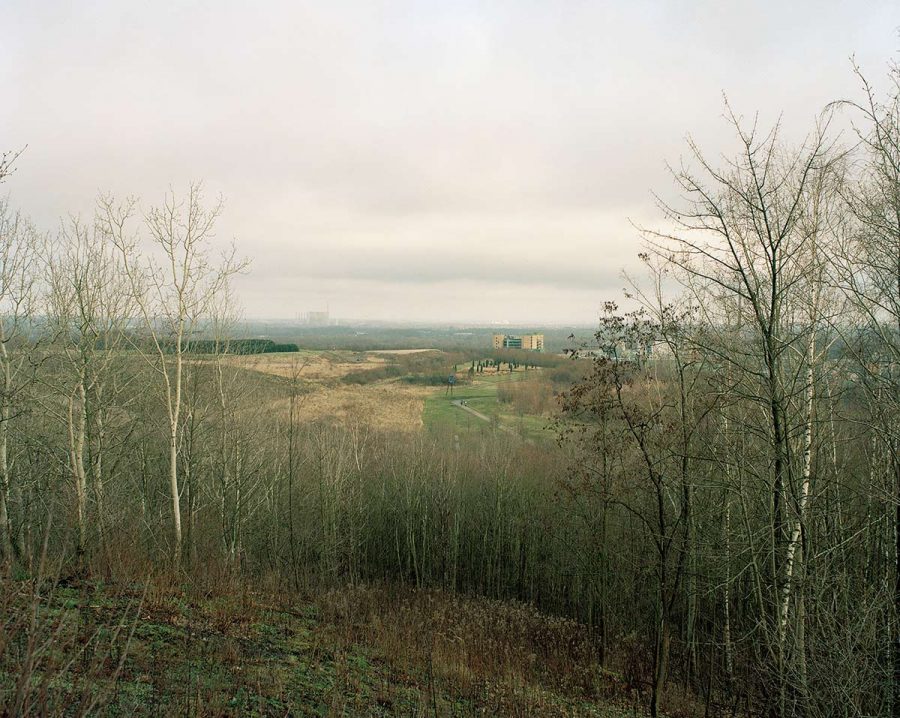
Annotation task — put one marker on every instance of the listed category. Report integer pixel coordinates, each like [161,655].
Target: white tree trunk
[77,421]
[794,543]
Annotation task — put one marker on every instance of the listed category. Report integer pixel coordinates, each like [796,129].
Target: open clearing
[390,404]
[387,405]
[311,365]
[443,412]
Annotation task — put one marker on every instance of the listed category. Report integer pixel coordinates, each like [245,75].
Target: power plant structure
[317,319]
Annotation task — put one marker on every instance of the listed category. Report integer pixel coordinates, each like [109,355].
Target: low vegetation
[212,648]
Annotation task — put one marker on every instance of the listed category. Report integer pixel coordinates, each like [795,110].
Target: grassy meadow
[404,390]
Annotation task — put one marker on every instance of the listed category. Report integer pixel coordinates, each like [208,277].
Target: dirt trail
[473,412]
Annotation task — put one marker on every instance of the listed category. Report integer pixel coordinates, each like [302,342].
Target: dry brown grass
[318,366]
[401,352]
[214,645]
[507,658]
[386,406]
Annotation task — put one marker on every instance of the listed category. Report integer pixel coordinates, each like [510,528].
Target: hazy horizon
[412,162]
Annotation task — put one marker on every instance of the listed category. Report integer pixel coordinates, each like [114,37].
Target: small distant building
[528,342]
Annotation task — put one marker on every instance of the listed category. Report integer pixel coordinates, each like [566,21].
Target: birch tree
[174,285]
[90,304]
[18,295]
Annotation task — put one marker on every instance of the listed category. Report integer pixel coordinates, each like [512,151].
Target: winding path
[473,412]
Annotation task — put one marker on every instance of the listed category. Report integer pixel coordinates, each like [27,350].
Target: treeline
[424,368]
[233,346]
[523,357]
[223,345]
[723,508]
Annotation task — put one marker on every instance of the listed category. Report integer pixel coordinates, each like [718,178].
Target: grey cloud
[444,265]
[363,141]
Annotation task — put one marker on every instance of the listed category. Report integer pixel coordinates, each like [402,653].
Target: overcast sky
[445,161]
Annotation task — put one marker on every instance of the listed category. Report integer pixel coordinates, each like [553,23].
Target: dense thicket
[237,346]
[723,505]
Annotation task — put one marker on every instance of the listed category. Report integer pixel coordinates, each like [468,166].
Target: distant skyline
[412,161]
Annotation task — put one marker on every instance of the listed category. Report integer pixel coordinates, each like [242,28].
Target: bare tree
[18,295]
[7,160]
[174,288]
[89,304]
[644,389]
[743,240]
[867,266]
